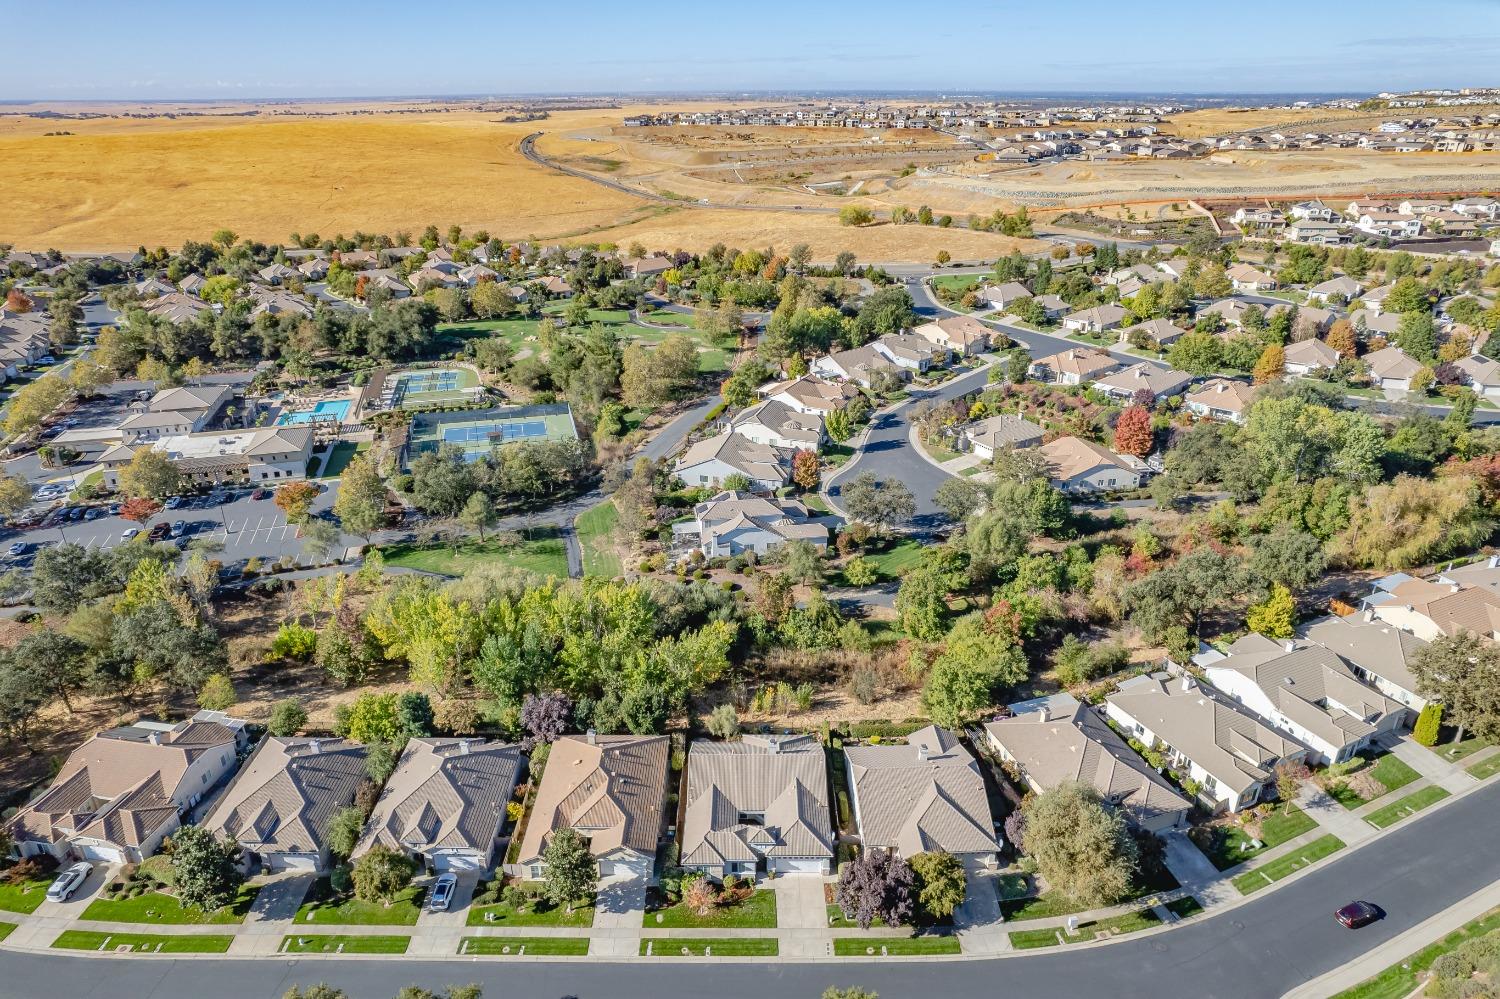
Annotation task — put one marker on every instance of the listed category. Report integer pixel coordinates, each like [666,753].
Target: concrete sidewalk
[1333,817]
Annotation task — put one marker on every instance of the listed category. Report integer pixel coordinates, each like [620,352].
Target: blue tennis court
[494,432]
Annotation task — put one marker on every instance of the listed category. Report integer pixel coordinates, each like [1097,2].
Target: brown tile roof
[444,793]
[611,790]
[287,792]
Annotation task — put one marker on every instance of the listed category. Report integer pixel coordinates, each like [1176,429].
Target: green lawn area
[814,503]
[1101,929]
[1290,864]
[940,453]
[24,897]
[343,453]
[837,921]
[1390,771]
[156,907]
[146,942]
[1231,845]
[896,559]
[512,946]
[6,929]
[871,946]
[336,944]
[1400,979]
[542,913]
[836,454]
[1485,768]
[1032,939]
[756,912]
[542,551]
[1184,907]
[958,284]
[1390,814]
[723,947]
[322,908]
[595,529]
[665,317]
[1455,751]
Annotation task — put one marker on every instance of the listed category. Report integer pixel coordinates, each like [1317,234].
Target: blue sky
[272,48]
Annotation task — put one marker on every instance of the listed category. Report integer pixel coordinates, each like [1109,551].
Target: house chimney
[314,745]
[1187,682]
[922,753]
[1369,614]
[1494,561]
[592,736]
[1289,645]
[154,738]
[463,747]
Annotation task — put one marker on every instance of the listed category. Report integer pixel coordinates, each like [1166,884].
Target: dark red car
[1357,914]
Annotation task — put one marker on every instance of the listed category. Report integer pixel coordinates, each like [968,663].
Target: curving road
[1273,943]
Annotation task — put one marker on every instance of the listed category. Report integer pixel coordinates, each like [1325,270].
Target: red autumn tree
[139,509]
[805,469]
[1133,432]
[16,301]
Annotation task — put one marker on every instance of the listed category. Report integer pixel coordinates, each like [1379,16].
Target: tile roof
[814,392]
[285,795]
[786,422]
[926,795]
[1228,394]
[1391,362]
[445,794]
[1067,457]
[1004,430]
[1453,608]
[761,462]
[1161,381]
[612,790]
[1373,645]
[782,779]
[1081,361]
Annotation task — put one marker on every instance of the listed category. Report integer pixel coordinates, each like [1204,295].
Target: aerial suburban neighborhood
[907,541]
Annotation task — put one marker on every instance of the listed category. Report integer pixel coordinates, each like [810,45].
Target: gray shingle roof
[287,792]
[926,795]
[780,778]
[445,793]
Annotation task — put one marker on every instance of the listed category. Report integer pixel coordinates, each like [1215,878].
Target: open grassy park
[541,550]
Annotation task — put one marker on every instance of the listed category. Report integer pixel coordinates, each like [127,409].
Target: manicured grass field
[542,552]
[1400,979]
[143,942]
[1032,939]
[897,559]
[595,539]
[338,944]
[1390,771]
[959,284]
[724,947]
[756,912]
[1130,922]
[1233,846]
[1485,768]
[322,909]
[24,897]
[863,946]
[1281,867]
[343,453]
[1390,814]
[156,907]
[542,913]
[542,946]
[1040,907]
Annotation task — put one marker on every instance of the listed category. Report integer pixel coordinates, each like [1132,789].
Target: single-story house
[1073,366]
[1374,299]
[924,796]
[1377,652]
[810,394]
[1307,691]
[278,273]
[1095,320]
[757,805]
[1244,278]
[123,791]
[1079,466]
[1053,305]
[1306,357]
[713,460]
[278,807]
[996,433]
[732,522]
[1481,374]
[964,335]
[444,804]
[1002,296]
[1431,610]
[1343,287]
[1220,399]
[1163,331]
[1159,381]
[1056,739]
[1367,323]
[1391,368]
[610,789]
[1230,753]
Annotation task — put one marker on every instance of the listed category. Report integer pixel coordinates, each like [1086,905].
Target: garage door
[292,861]
[795,866]
[633,867]
[457,862]
[102,854]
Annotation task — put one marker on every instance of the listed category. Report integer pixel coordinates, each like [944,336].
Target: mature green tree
[150,474]
[572,874]
[1293,558]
[1183,592]
[287,718]
[959,498]
[1411,521]
[1083,849]
[163,646]
[478,514]
[882,505]
[942,884]
[381,874]
[205,869]
[360,504]
[15,494]
[1463,672]
[922,604]
[344,830]
[442,481]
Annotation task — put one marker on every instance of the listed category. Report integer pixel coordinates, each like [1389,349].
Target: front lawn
[1227,844]
[519,946]
[1485,768]
[25,896]
[1032,939]
[882,946]
[542,551]
[706,947]
[144,943]
[158,907]
[324,908]
[1413,803]
[1455,751]
[757,911]
[338,944]
[1388,771]
[1281,867]
[1401,978]
[1103,929]
[1184,907]
[837,921]
[539,913]
[596,540]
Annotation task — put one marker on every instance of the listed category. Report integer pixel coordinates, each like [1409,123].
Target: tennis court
[479,432]
[427,387]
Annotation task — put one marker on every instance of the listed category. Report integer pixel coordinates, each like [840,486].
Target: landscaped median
[6,929]
[523,946]
[143,943]
[895,946]
[1273,871]
[1413,803]
[709,947]
[328,943]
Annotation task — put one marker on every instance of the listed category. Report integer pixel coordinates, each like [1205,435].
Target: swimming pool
[327,409]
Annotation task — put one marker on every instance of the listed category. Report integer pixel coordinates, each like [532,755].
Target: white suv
[69,881]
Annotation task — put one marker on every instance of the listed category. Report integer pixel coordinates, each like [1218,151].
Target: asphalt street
[1272,943]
